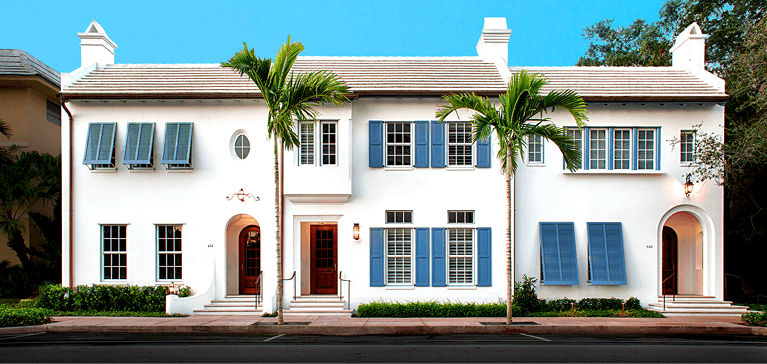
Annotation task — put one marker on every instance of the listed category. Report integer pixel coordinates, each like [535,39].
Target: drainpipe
[71,199]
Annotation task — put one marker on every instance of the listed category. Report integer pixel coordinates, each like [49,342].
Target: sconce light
[688,185]
[241,195]
[356,231]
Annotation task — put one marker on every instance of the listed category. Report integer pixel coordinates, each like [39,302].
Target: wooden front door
[250,259]
[669,260]
[324,248]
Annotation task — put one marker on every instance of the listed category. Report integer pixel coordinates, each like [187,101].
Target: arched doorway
[234,256]
[250,259]
[682,255]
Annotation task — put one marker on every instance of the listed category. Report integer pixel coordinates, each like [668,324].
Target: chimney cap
[95,31]
[495,23]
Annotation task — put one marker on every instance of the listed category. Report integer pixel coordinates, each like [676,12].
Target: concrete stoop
[696,306]
[232,305]
[317,305]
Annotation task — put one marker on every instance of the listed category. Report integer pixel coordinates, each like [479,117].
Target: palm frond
[5,129]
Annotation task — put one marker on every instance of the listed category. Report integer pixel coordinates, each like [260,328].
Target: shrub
[600,304]
[104,298]
[562,304]
[524,295]
[755,318]
[434,309]
[633,304]
[24,316]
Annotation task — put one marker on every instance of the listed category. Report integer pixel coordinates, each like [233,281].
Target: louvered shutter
[178,144]
[559,262]
[422,257]
[606,259]
[421,144]
[375,144]
[483,153]
[139,143]
[99,148]
[484,257]
[437,144]
[376,257]
[438,246]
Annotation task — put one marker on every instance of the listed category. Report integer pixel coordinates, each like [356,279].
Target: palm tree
[289,97]
[5,154]
[521,114]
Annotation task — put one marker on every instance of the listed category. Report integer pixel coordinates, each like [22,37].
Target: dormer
[96,47]
[689,50]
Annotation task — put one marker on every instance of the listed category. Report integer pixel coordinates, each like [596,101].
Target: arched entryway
[682,255]
[243,254]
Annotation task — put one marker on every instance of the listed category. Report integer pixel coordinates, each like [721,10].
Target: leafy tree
[519,115]
[289,97]
[639,44]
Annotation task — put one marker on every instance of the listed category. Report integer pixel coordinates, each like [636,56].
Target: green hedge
[590,304]
[433,309]
[755,318]
[104,298]
[24,316]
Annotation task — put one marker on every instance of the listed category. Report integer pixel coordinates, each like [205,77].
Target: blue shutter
[376,257]
[100,144]
[438,257]
[178,144]
[559,263]
[657,148]
[421,144]
[585,156]
[138,143]
[422,257]
[375,144]
[606,259]
[437,144]
[483,153]
[484,261]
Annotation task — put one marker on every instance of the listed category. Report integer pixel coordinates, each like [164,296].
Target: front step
[232,305]
[696,306]
[317,305]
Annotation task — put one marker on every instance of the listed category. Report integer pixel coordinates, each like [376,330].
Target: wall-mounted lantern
[688,185]
[356,231]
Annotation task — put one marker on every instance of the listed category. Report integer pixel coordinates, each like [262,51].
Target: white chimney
[493,45]
[96,47]
[690,48]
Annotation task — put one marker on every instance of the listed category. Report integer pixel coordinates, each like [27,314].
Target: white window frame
[411,257]
[173,252]
[689,145]
[653,150]
[397,214]
[307,149]
[571,132]
[111,252]
[472,256]
[321,132]
[466,143]
[628,152]
[595,150]
[242,148]
[535,150]
[402,144]
[464,212]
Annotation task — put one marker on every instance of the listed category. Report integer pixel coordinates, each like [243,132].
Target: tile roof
[16,62]
[628,83]
[363,75]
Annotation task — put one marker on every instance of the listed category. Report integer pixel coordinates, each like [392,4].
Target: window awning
[606,259]
[139,144]
[100,145]
[177,151]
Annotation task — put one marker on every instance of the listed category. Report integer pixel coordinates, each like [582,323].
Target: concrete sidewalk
[345,326]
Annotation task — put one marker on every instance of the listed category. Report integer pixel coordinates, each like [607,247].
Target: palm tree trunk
[509,277]
[16,243]
[278,213]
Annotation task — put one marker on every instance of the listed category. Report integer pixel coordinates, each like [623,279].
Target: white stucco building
[155,155]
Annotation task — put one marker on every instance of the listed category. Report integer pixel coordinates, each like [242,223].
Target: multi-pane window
[460,217]
[459,148]
[169,252]
[577,136]
[329,143]
[598,149]
[399,256]
[398,144]
[307,142]
[399,217]
[114,253]
[686,143]
[242,146]
[621,149]
[534,149]
[460,256]
[646,149]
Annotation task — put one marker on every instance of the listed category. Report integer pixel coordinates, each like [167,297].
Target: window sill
[398,168]
[690,165]
[462,288]
[536,164]
[399,288]
[142,170]
[112,283]
[179,170]
[168,283]
[104,170]
[463,168]
[605,171]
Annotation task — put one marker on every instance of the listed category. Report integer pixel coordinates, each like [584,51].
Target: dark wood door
[669,260]
[250,259]
[324,248]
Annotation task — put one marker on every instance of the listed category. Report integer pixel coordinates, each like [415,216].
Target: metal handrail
[294,284]
[348,290]
[673,296]
[260,285]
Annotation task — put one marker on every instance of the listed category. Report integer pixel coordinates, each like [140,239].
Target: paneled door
[669,260]
[250,259]
[324,259]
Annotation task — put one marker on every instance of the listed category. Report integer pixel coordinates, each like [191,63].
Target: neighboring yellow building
[30,106]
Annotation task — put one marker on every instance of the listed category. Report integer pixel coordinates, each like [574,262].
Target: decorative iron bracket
[241,195]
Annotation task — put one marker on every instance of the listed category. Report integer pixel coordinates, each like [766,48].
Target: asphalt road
[65,348]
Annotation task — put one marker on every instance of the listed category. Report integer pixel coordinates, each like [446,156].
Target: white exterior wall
[641,201]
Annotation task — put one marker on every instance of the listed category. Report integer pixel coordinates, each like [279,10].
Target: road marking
[274,337]
[22,335]
[534,337]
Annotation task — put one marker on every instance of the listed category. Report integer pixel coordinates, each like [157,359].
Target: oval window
[242,146]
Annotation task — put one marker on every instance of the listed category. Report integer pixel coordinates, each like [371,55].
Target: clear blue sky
[543,33]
